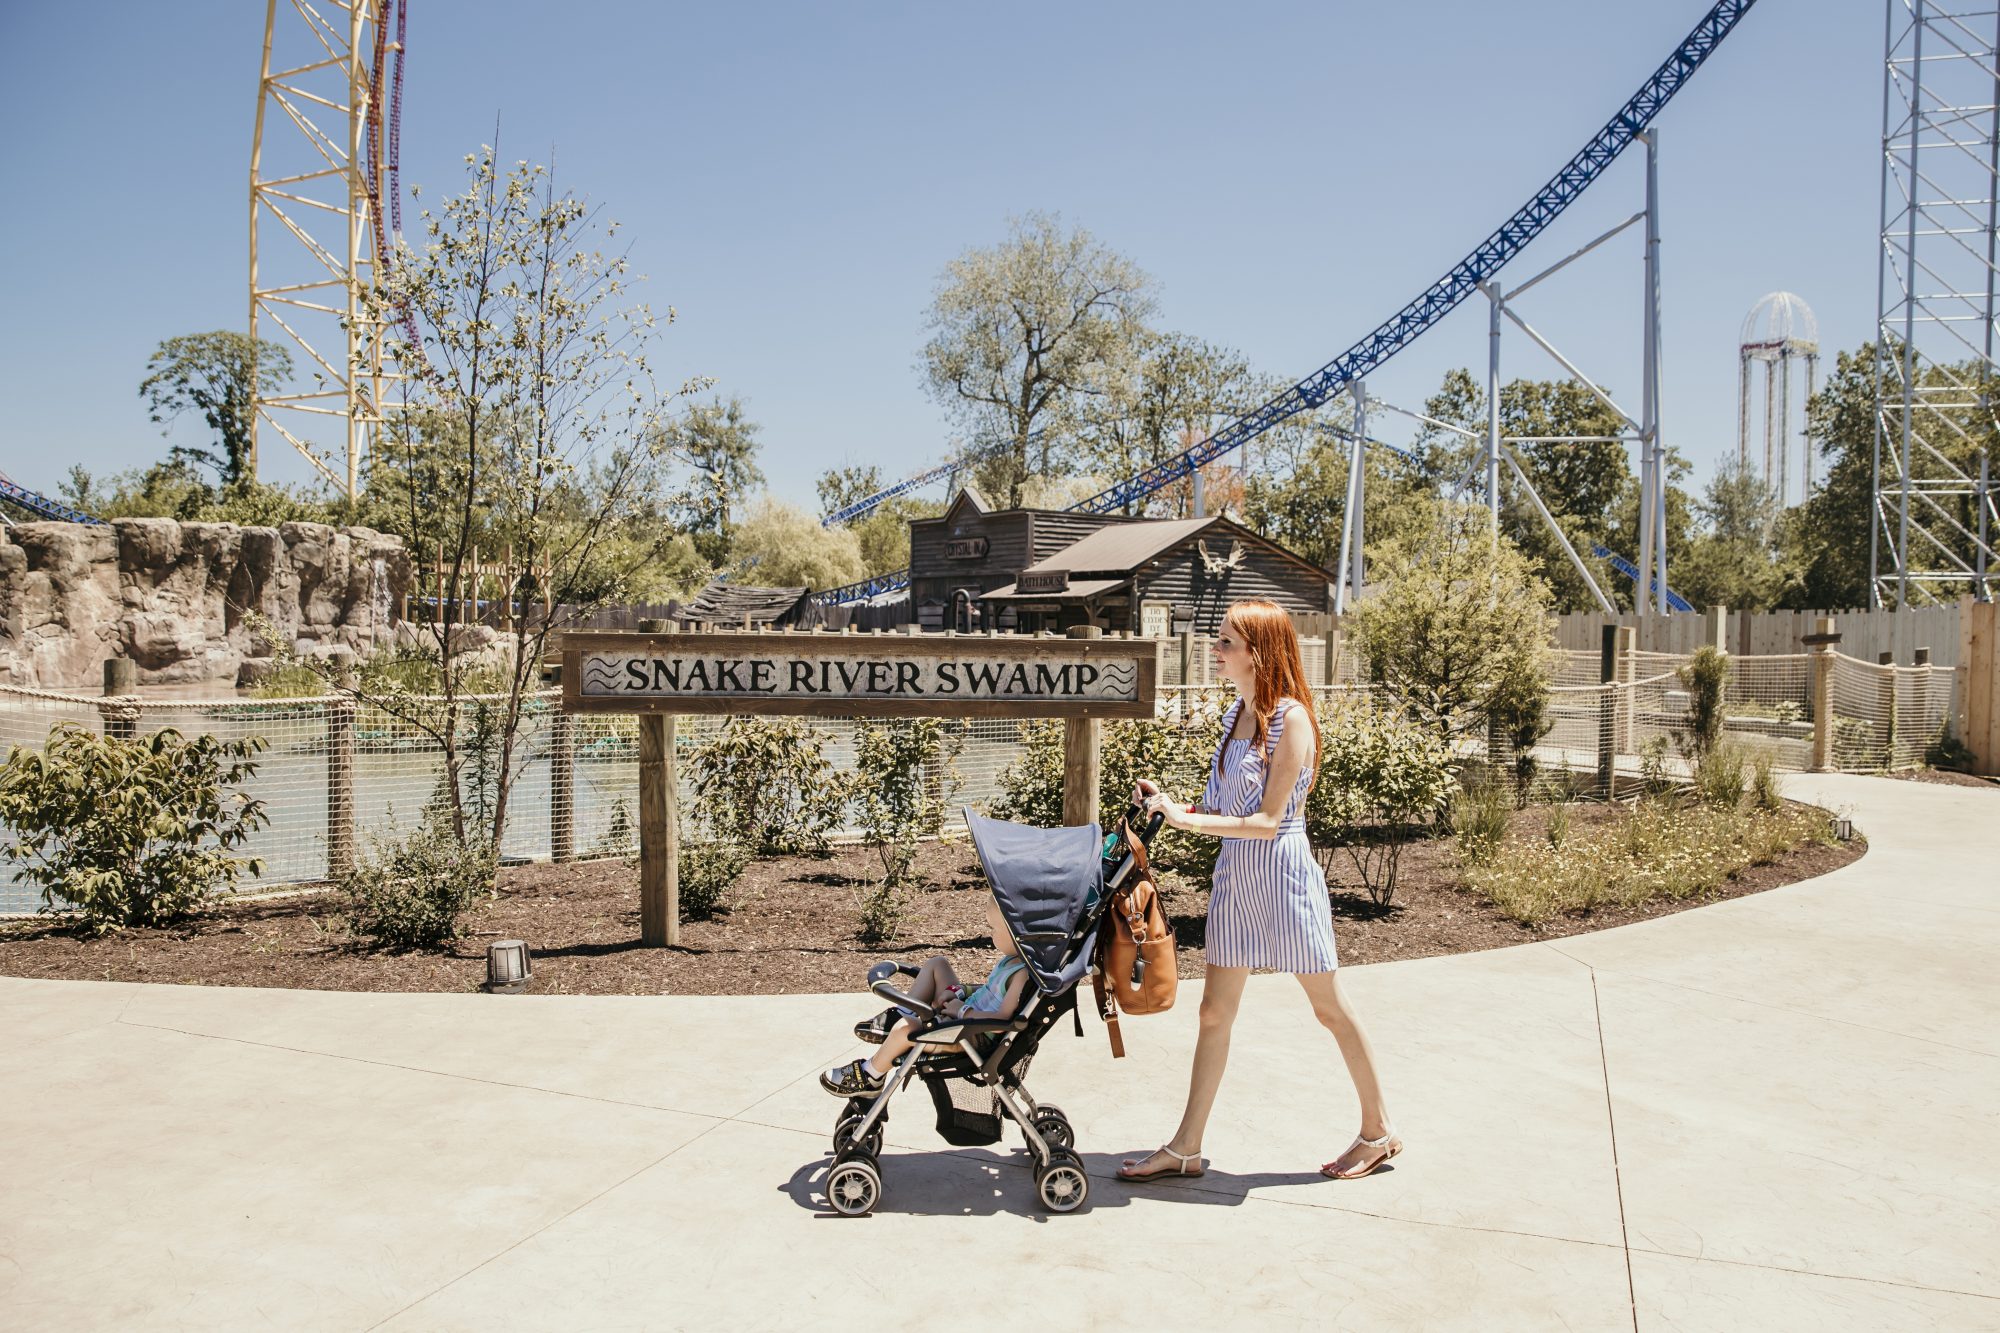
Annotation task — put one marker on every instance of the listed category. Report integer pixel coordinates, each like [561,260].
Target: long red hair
[1273,645]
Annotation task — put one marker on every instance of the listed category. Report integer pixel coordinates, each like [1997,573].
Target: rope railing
[334,773]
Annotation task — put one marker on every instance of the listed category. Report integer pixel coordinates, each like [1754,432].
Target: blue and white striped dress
[1269,906]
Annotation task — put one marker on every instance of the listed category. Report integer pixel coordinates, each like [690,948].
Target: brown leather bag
[1136,965]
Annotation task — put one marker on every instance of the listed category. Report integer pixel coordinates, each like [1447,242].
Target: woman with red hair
[1269,904]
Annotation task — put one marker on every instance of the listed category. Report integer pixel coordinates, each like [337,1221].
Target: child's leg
[892,1048]
[931,979]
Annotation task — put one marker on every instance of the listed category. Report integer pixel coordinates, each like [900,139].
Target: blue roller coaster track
[1674,601]
[1437,300]
[40,505]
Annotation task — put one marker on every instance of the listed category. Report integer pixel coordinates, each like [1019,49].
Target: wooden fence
[1863,634]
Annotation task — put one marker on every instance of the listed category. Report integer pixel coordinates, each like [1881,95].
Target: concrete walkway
[1773,1113]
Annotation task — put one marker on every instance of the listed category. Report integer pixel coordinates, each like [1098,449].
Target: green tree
[220,376]
[1733,559]
[1461,625]
[1166,392]
[536,433]
[1019,329]
[884,531]
[782,546]
[717,442]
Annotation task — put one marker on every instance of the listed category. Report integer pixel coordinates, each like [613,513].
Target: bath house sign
[845,675]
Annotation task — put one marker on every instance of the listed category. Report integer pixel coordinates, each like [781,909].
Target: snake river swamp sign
[846,675]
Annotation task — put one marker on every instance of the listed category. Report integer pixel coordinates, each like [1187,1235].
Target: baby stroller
[1051,885]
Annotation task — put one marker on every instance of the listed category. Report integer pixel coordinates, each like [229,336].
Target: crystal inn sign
[847,675]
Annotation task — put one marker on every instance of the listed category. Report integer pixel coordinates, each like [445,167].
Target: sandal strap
[1388,1137]
[1182,1157]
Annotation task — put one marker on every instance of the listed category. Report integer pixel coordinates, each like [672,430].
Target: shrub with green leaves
[414,892]
[1720,778]
[903,771]
[1381,777]
[129,832]
[1173,753]
[709,868]
[1706,676]
[765,782]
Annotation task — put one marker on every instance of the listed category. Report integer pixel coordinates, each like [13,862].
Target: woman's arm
[1293,753]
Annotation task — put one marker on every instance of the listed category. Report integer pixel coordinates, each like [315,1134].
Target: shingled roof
[729,603]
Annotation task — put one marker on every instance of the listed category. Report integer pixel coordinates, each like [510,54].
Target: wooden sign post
[659,675]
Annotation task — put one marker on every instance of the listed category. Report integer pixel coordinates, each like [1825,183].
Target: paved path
[1773,1113]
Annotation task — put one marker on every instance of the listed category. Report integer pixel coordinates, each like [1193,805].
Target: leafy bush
[412,893]
[903,779]
[138,832]
[1663,849]
[1517,710]
[1555,824]
[1855,744]
[1478,814]
[1706,676]
[1461,624]
[1948,751]
[1173,753]
[765,782]
[1380,775]
[709,868]
[1653,779]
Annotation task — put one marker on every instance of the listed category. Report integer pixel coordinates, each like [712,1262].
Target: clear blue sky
[793,178]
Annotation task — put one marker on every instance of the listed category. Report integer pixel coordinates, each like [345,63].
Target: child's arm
[1009,1002]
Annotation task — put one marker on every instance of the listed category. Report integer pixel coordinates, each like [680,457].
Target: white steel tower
[1932,530]
[1778,331]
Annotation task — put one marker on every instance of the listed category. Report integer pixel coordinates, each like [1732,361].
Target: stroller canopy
[1043,879]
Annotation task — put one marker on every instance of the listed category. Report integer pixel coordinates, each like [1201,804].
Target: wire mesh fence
[334,775]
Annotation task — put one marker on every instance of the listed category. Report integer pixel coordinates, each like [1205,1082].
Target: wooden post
[1715,628]
[121,681]
[1187,658]
[1614,652]
[562,783]
[1820,644]
[1082,762]
[659,825]
[1979,660]
[340,847]
[1885,703]
[1334,646]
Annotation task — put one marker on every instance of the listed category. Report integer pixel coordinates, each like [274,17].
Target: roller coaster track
[40,505]
[1442,296]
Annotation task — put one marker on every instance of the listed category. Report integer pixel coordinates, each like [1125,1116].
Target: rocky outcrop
[188,601]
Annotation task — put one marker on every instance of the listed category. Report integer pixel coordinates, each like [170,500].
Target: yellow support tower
[318,234]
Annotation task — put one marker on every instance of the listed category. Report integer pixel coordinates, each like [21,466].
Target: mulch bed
[789,927]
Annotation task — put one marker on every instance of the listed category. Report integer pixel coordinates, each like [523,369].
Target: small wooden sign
[1043,580]
[850,676]
[965,548]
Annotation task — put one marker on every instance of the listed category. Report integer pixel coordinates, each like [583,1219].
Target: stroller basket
[967,1116]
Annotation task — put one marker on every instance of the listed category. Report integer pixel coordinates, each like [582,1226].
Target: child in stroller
[1049,890]
[938,986]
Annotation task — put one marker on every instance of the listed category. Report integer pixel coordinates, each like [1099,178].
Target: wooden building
[1033,569]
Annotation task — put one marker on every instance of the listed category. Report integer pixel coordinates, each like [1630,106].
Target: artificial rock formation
[185,600]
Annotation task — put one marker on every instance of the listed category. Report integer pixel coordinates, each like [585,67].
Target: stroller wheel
[1061,1184]
[854,1187]
[845,1144]
[1054,1127]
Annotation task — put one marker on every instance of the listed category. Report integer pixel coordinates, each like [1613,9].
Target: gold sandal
[1180,1167]
[1389,1143]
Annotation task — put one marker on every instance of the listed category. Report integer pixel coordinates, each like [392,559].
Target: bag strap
[1107,1009]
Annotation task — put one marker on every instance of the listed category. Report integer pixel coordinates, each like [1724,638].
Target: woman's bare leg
[1221,994]
[1330,1007]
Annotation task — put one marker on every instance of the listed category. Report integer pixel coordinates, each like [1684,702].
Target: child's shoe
[876,1030]
[855,1079]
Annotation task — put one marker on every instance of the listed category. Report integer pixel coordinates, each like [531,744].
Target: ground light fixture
[1843,828]
[508,967]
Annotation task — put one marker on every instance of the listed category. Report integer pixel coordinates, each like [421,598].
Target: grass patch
[1667,847]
